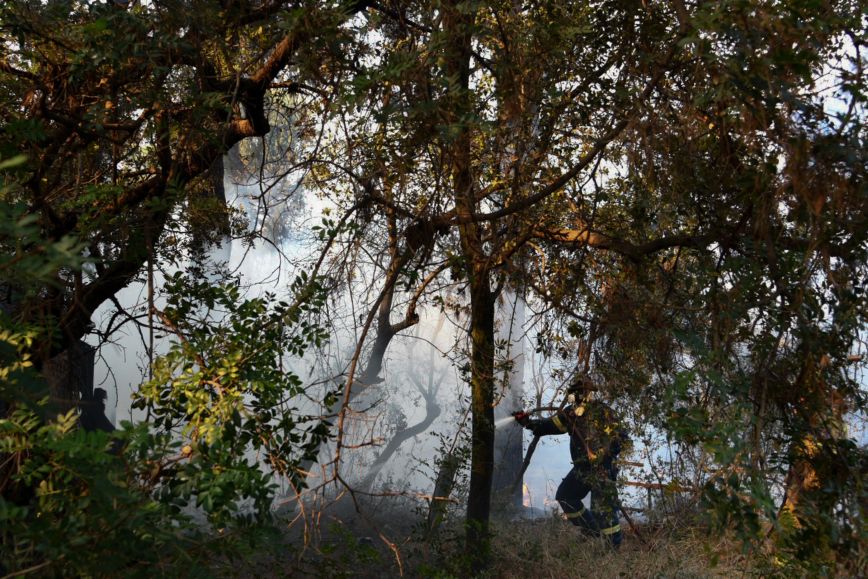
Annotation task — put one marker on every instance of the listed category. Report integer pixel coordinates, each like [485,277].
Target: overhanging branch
[588,237]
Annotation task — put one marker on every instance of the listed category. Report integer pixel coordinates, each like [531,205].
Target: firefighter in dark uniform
[596,437]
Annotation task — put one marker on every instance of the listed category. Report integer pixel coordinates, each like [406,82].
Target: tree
[721,297]
[122,111]
[446,81]
[117,116]
[626,160]
[426,380]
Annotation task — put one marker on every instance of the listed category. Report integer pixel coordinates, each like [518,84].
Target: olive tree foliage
[680,184]
[465,123]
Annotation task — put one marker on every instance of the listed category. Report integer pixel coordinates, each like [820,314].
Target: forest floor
[547,547]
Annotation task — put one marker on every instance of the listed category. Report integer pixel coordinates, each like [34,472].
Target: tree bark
[482,410]
[442,489]
[458,26]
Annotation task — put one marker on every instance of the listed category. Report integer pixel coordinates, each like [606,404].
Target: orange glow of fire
[525,495]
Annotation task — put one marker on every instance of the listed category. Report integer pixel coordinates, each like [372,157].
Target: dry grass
[553,548]
[538,549]
[346,545]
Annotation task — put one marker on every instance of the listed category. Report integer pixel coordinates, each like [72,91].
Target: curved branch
[635,252]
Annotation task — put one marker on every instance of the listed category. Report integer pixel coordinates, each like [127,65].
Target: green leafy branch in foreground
[67,504]
[219,401]
[70,506]
[224,389]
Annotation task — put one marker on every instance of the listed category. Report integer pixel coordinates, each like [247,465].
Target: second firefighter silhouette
[596,437]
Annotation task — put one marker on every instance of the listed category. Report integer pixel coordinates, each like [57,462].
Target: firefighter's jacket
[596,433]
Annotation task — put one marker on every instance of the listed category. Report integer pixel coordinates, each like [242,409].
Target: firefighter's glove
[522,418]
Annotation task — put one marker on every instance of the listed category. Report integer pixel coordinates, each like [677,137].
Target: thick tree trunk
[458,23]
[482,411]
[70,376]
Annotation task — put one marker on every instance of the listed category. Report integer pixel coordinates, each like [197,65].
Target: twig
[635,529]
[32,569]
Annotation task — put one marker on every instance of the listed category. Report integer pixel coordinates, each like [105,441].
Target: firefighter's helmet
[582,384]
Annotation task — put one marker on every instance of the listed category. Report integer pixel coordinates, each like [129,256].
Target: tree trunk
[442,490]
[432,412]
[70,376]
[458,21]
[482,411]
[386,330]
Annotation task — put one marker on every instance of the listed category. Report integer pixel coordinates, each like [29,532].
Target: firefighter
[596,437]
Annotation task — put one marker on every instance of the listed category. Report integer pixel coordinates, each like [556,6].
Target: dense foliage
[76,502]
[677,189]
[117,117]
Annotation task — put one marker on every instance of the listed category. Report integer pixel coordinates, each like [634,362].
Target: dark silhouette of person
[596,437]
[93,412]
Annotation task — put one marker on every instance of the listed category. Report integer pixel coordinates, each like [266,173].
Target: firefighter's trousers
[602,518]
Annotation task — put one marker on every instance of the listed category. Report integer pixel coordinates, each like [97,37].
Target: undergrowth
[540,548]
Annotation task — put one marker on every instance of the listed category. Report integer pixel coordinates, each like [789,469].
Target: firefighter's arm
[548,426]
